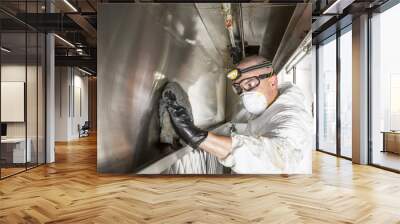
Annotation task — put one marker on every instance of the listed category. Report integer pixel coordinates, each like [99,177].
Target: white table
[18,144]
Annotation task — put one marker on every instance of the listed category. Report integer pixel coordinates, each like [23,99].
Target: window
[385,89]
[346,93]
[327,96]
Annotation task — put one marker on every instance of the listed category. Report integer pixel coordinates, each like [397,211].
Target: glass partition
[385,89]
[346,93]
[22,88]
[327,96]
[14,153]
[32,95]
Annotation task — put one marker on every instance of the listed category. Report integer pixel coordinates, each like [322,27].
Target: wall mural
[193,89]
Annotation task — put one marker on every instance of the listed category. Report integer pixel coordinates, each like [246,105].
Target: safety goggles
[250,83]
[236,72]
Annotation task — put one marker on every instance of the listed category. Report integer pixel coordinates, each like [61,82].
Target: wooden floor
[5,172]
[387,159]
[70,191]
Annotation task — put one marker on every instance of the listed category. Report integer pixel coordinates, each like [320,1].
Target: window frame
[378,10]
[334,37]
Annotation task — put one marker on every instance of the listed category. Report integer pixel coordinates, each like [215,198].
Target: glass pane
[31,98]
[327,97]
[386,89]
[346,94]
[13,90]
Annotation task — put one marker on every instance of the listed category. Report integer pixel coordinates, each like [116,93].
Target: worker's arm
[217,145]
[250,154]
[262,155]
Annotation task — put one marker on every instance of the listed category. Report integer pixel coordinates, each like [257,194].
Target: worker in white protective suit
[273,137]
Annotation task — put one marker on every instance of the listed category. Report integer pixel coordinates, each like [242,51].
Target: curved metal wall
[140,46]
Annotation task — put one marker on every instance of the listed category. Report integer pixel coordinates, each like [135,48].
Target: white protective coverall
[279,141]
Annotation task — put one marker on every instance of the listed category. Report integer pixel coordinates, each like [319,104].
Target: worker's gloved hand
[182,122]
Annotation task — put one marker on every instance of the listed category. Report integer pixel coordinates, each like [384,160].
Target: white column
[50,93]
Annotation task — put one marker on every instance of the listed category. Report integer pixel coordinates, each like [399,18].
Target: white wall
[70,83]
[79,117]
[16,73]
[62,81]
[33,127]
[12,73]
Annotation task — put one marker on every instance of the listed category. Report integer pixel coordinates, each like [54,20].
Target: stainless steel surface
[227,9]
[165,162]
[316,25]
[302,51]
[213,19]
[337,7]
[297,29]
[139,47]
[186,156]
[241,30]
[265,24]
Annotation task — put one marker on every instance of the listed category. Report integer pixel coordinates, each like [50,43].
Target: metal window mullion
[37,91]
[45,94]
[338,95]
[26,86]
[369,78]
[317,96]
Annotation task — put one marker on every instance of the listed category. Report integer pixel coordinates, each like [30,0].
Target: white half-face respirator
[254,102]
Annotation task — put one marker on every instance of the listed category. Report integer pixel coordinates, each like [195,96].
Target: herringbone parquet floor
[70,191]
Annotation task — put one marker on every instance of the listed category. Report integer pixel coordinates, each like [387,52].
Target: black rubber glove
[182,122]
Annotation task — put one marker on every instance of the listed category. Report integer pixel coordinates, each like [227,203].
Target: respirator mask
[253,101]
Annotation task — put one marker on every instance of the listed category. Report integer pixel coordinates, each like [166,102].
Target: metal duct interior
[140,46]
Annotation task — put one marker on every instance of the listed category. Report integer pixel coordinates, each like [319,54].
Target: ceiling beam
[49,22]
[84,24]
[83,61]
